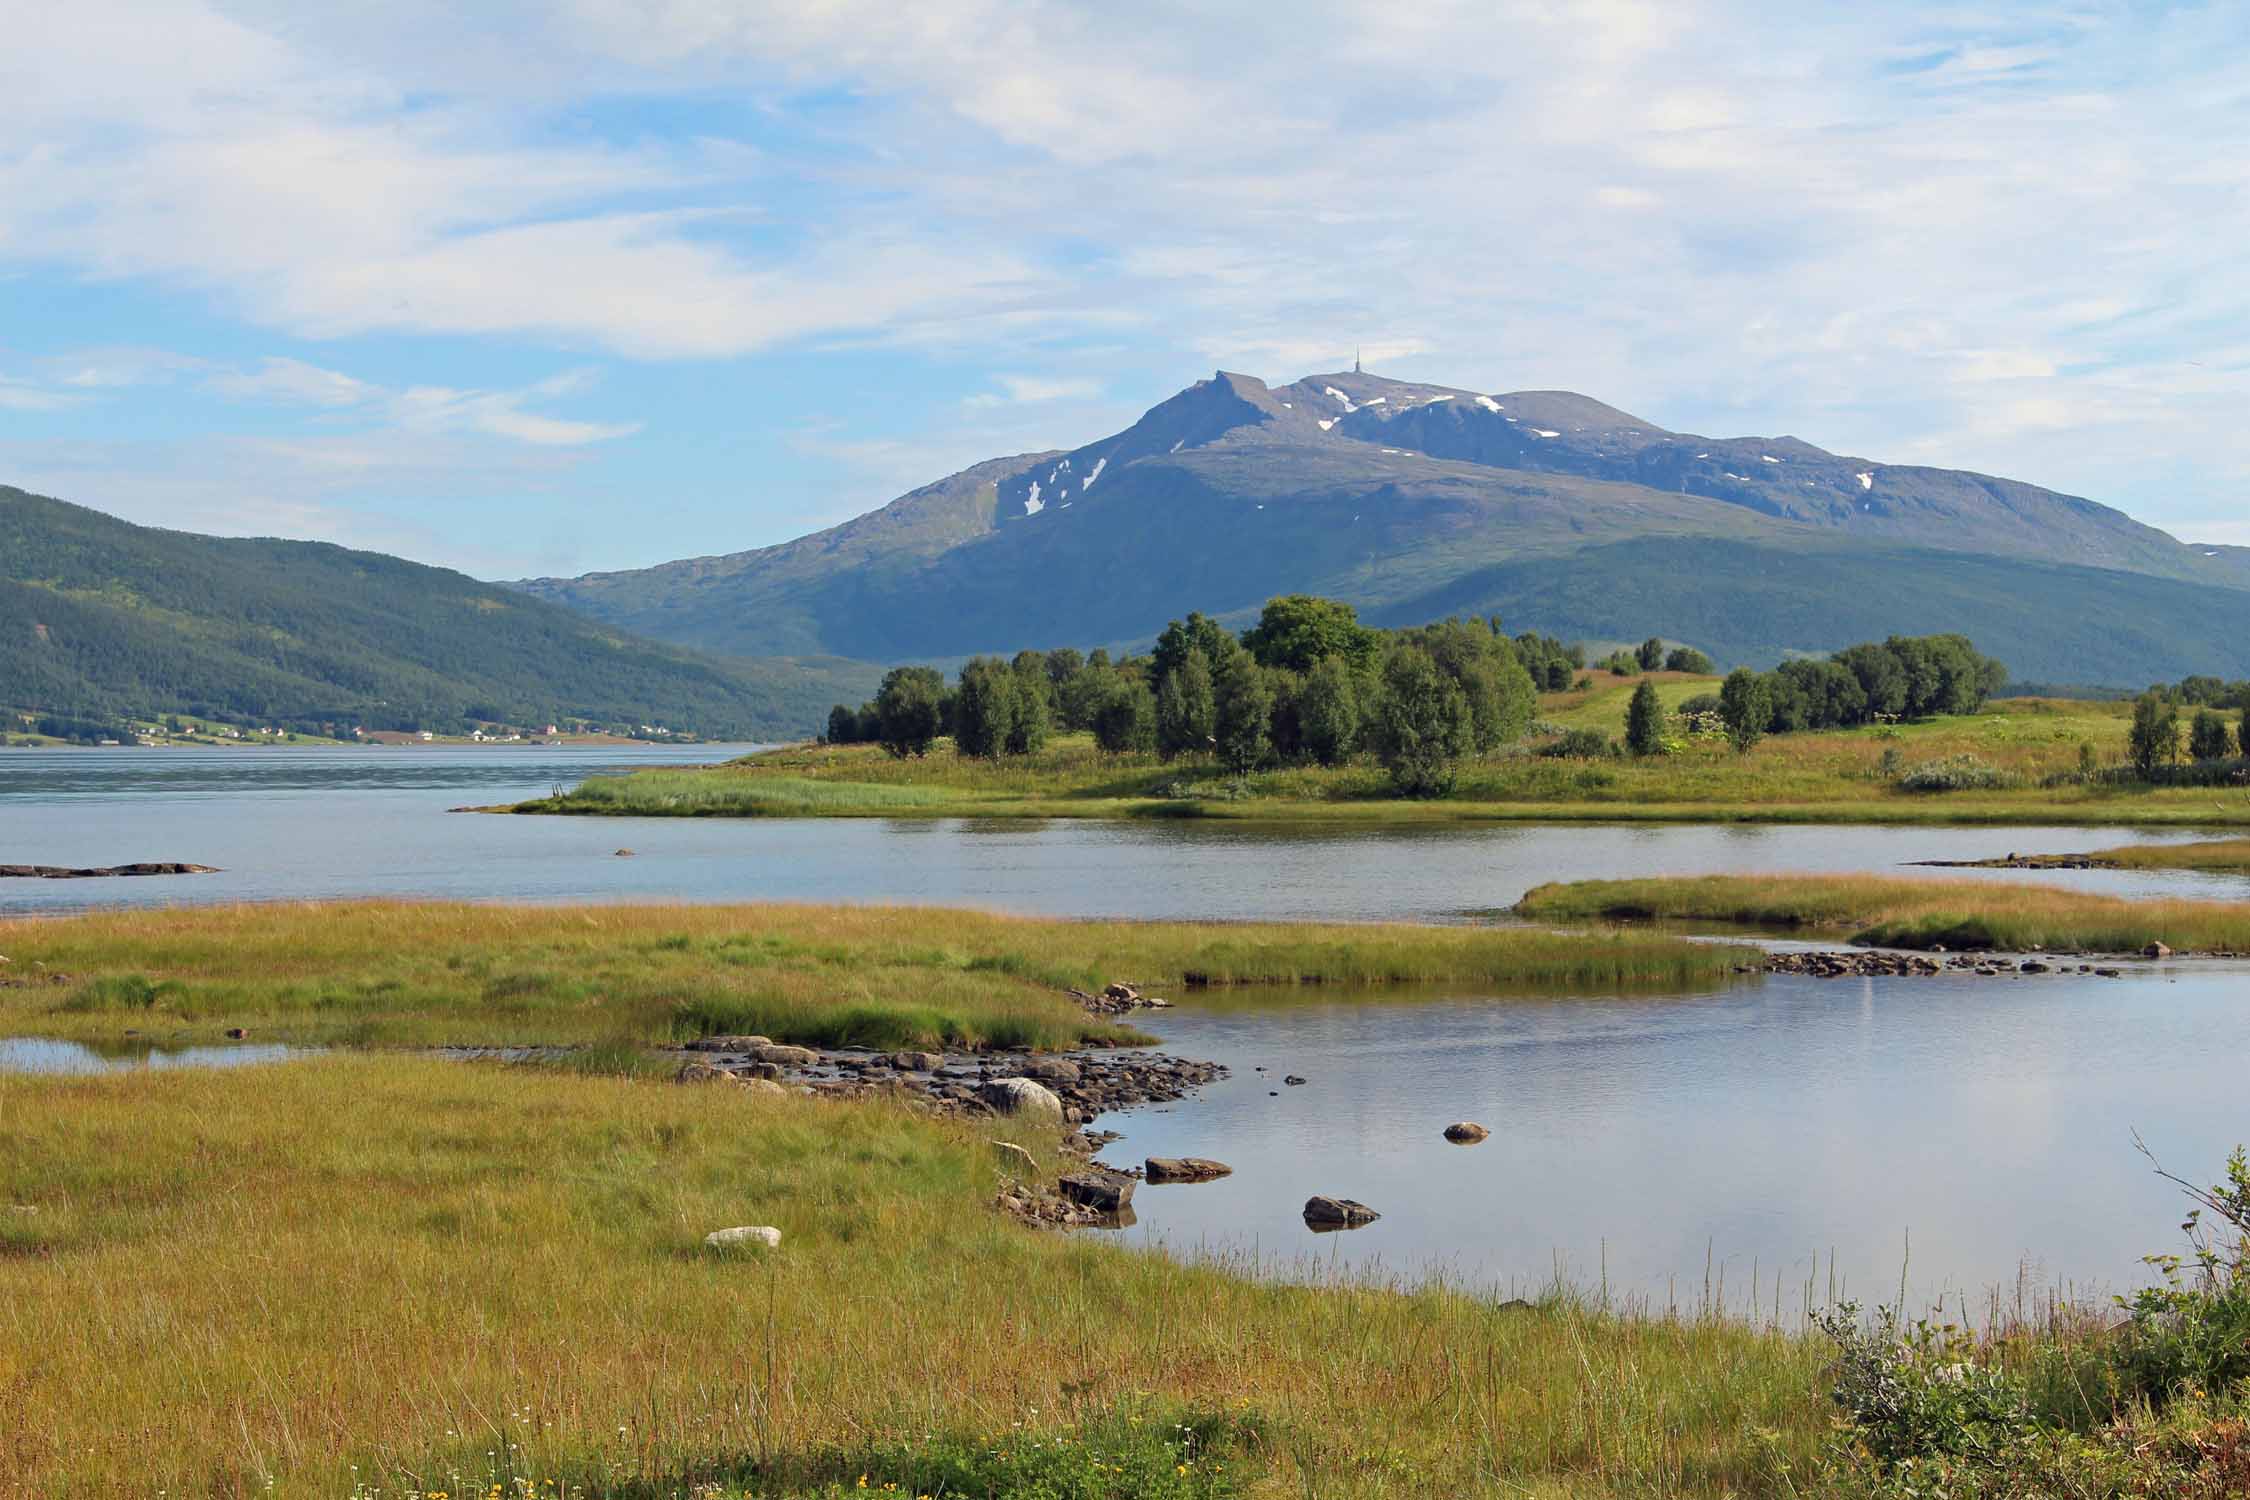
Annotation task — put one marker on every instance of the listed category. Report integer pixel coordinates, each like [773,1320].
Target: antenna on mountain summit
[1355,361]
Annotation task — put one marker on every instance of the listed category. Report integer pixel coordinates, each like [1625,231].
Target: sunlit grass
[2219,855]
[1907,913]
[1833,776]
[298,1275]
[378,973]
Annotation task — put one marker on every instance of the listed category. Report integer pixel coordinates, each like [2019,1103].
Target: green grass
[373,973]
[1837,776]
[286,1278]
[1905,913]
[2223,856]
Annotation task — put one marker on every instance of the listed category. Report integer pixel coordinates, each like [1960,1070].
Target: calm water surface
[324,823]
[1987,1122]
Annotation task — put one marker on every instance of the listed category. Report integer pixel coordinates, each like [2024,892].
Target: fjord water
[328,823]
[1784,1127]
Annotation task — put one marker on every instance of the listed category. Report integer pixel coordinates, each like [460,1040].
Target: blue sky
[597,283]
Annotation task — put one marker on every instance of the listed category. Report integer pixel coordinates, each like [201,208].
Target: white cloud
[293,382]
[1019,390]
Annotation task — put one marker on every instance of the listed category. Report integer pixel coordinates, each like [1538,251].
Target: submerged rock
[1323,1212]
[1184,1169]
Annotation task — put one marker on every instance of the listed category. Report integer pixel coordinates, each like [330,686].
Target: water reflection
[44,1055]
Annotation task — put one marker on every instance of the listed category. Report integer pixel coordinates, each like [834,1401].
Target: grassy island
[2017,760]
[1905,913]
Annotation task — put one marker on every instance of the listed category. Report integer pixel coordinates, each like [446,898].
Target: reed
[419,974]
[1906,913]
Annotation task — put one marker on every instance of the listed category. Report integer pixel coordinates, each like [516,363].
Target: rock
[1015,1159]
[1021,1096]
[1465,1132]
[745,1237]
[765,1086]
[784,1056]
[1052,1070]
[2110,973]
[729,1043]
[1184,1169]
[1293,1081]
[1337,1213]
[2032,966]
[237,1033]
[623,854]
[1098,1191]
[703,1072]
[102,872]
[1515,1305]
[1124,992]
[2156,950]
[917,1062]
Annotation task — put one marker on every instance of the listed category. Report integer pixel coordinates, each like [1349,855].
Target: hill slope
[103,618]
[1412,499]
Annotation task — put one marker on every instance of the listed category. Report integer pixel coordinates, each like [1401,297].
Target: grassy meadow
[1830,776]
[1905,913]
[406,974]
[2219,856]
[425,1277]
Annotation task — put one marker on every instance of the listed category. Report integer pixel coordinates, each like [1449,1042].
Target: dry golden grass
[2223,856]
[276,1280]
[1908,913]
[387,973]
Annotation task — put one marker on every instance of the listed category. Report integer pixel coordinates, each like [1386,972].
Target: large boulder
[702,1072]
[745,1237]
[1052,1070]
[783,1056]
[729,1043]
[917,1062]
[1021,1096]
[1184,1169]
[1323,1212]
[1099,1191]
[2156,950]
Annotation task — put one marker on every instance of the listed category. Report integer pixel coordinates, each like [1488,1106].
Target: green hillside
[102,618]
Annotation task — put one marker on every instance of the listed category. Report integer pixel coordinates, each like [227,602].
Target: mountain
[103,618]
[1552,509]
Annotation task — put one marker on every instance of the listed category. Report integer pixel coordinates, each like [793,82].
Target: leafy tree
[1185,712]
[1298,631]
[1124,717]
[1746,705]
[843,725]
[985,708]
[1882,681]
[2242,730]
[1198,633]
[1032,719]
[1651,655]
[1242,717]
[1421,725]
[2208,738]
[1328,712]
[2154,739]
[906,710]
[1687,659]
[1644,721]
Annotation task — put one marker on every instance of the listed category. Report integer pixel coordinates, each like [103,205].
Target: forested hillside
[102,618]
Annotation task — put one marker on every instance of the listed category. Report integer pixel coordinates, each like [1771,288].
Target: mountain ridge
[1383,492]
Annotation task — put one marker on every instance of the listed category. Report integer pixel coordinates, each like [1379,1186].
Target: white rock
[1020,1096]
[765,1236]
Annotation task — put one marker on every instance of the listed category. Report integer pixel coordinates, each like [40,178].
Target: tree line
[1904,677]
[2152,744]
[1308,684]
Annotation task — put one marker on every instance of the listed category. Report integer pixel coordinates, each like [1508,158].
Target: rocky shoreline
[102,872]
[1857,963]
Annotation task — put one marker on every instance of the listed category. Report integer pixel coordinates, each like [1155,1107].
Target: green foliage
[1328,712]
[1644,721]
[1243,713]
[1299,631]
[102,619]
[1422,723]
[1688,659]
[1580,744]
[2154,740]
[2209,737]
[1123,717]
[1746,705]
[1956,773]
[906,710]
[1650,656]
[1186,712]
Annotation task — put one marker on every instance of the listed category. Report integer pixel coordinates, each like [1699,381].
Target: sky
[545,288]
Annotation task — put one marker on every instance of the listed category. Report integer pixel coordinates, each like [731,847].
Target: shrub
[1581,744]
[1956,773]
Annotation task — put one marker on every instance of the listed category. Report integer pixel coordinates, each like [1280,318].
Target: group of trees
[2153,742]
[1652,655]
[1307,684]
[1905,677]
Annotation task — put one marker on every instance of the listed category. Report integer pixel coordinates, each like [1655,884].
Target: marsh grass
[2223,856]
[1906,913]
[374,973]
[283,1279]
[2029,751]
